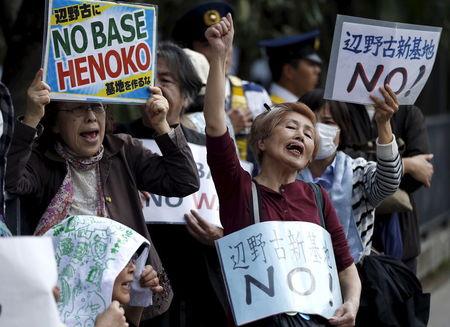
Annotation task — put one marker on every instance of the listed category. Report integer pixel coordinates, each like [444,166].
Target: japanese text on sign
[72,13]
[99,51]
[275,267]
[368,54]
[390,47]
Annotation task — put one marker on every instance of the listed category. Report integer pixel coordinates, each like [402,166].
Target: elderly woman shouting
[64,161]
[285,141]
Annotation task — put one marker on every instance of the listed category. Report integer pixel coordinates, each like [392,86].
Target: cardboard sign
[274,267]
[99,51]
[28,275]
[367,54]
[161,209]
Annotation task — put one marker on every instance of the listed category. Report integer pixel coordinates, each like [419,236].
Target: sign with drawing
[367,54]
[90,254]
[274,267]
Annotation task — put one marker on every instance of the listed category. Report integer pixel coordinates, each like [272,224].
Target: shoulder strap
[319,202]
[256,204]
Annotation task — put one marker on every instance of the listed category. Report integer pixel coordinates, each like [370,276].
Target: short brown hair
[264,124]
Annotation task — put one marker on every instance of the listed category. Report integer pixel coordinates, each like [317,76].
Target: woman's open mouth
[296,148]
[90,136]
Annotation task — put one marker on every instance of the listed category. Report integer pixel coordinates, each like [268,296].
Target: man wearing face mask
[356,186]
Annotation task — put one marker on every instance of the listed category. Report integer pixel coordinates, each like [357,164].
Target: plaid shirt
[6,132]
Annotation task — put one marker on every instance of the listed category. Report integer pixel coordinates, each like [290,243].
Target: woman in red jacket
[284,141]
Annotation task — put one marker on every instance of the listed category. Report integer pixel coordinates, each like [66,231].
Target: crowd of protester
[80,171]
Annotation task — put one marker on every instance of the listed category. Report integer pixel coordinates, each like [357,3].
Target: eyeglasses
[80,111]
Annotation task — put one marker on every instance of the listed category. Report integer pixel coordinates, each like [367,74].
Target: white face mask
[327,134]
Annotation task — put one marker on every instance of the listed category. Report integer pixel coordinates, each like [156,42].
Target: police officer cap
[193,24]
[300,46]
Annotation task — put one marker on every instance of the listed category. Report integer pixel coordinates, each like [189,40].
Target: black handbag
[391,295]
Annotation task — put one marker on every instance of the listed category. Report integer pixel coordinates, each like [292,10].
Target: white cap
[200,64]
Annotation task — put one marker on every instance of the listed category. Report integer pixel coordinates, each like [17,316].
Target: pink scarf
[59,206]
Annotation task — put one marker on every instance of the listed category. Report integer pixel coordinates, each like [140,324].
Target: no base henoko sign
[99,51]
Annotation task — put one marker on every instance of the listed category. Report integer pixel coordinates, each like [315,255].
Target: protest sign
[367,54]
[28,275]
[91,252]
[161,209]
[274,267]
[99,51]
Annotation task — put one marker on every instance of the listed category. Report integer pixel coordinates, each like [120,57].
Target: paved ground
[439,285]
[440,306]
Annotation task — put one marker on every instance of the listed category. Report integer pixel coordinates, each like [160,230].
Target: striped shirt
[372,183]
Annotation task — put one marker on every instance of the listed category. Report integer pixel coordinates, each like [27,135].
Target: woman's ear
[288,71]
[261,145]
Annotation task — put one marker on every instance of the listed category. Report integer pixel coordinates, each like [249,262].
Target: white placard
[367,54]
[161,209]
[28,274]
[99,51]
[274,267]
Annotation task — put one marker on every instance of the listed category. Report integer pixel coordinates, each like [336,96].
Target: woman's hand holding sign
[156,110]
[384,110]
[201,229]
[345,315]
[38,96]
[149,279]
